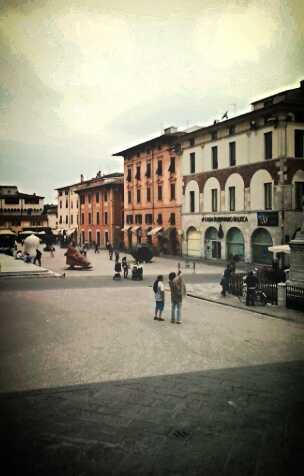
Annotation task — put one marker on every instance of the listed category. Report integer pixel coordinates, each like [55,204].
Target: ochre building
[153,192]
[101,210]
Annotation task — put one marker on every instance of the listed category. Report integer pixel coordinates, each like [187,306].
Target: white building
[244,181]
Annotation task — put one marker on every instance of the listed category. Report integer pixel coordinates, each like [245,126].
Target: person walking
[178,292]
[52,251]
[125,267]
[38,257]
[251,283]
[110,250]
[116,253]
[225,280]
[159,292]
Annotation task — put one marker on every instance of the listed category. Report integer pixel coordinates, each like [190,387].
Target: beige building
[244,181]
[20,210]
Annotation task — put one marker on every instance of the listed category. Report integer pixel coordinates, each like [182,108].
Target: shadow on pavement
[236,421]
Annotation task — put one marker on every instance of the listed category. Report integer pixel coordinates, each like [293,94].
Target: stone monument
[296,273]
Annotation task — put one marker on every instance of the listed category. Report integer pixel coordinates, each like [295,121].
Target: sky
[81,80]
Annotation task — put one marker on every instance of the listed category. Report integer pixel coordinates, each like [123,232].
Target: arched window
[212,244]
[194,242]
[235,244]
[260,241]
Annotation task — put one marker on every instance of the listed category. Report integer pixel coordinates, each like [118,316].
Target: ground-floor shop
[243,237]
[163,240]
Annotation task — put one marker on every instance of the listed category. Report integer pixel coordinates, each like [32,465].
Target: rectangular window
[97,197]
[82,218]
[67,220]
[159,192]
[268,196]
[192,163]
[299,195]
[172,218]
[129,196]
[89,197]
[268,145]
[60,219]
[148,219]
[148,170]
[138,195]
[214,199]
[82,199]
[232,158]
[214,157]
[66,204]
[232,199]
[299,143]
[172,191]
[172,165]
[90,219]
[138,219]
[97,218]
[192,201]
[129,175]
[106,218]
[105,196]
[159,170]
[71,204]
[137,176]
[60,193]
[130,219]
[159,219]
[148,194]
[83,236]
[71,219]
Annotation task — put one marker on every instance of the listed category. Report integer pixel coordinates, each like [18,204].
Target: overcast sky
[80,79]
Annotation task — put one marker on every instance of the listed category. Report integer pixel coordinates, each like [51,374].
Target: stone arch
[297,190]
[260,241]
[212,243]
[193,242]
[259,178]
[235,180]
[235,243]
[211,183]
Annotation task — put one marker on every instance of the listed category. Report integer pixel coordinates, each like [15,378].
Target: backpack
[155,286]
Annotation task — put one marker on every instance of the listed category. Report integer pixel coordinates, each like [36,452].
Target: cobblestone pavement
[92,385]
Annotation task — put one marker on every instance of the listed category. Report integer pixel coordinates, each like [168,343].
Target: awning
[70,232]
[7,233]
[135,228]
[155,230]
[126,228]
[279,249]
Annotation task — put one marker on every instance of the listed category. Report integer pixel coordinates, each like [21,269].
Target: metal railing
[295,297]
[235,287]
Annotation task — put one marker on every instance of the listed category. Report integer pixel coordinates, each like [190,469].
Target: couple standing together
[178,292]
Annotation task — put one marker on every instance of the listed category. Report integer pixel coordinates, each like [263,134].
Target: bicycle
[260,298]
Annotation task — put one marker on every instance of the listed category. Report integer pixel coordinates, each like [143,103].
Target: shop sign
[219,219]
[268,218]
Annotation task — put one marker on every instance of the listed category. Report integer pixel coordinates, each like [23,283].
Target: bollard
[282,294]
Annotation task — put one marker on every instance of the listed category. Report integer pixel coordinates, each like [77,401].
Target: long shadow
[77,282]
[235,421]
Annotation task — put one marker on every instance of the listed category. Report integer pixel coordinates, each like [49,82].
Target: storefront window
[235,244]
[261,240]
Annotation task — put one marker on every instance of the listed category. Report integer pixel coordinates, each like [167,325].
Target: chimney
[170,130]
[81,178]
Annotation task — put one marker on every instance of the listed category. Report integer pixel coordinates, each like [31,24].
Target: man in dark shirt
[251,282]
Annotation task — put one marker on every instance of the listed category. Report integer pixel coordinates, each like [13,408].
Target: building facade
[101,210]
[20,210]
[68,209]
[153,192]
[244,181]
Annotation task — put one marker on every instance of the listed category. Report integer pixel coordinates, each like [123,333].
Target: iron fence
[295,297]
[270,288]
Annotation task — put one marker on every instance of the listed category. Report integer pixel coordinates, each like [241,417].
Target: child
[125,267]
[159,291]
